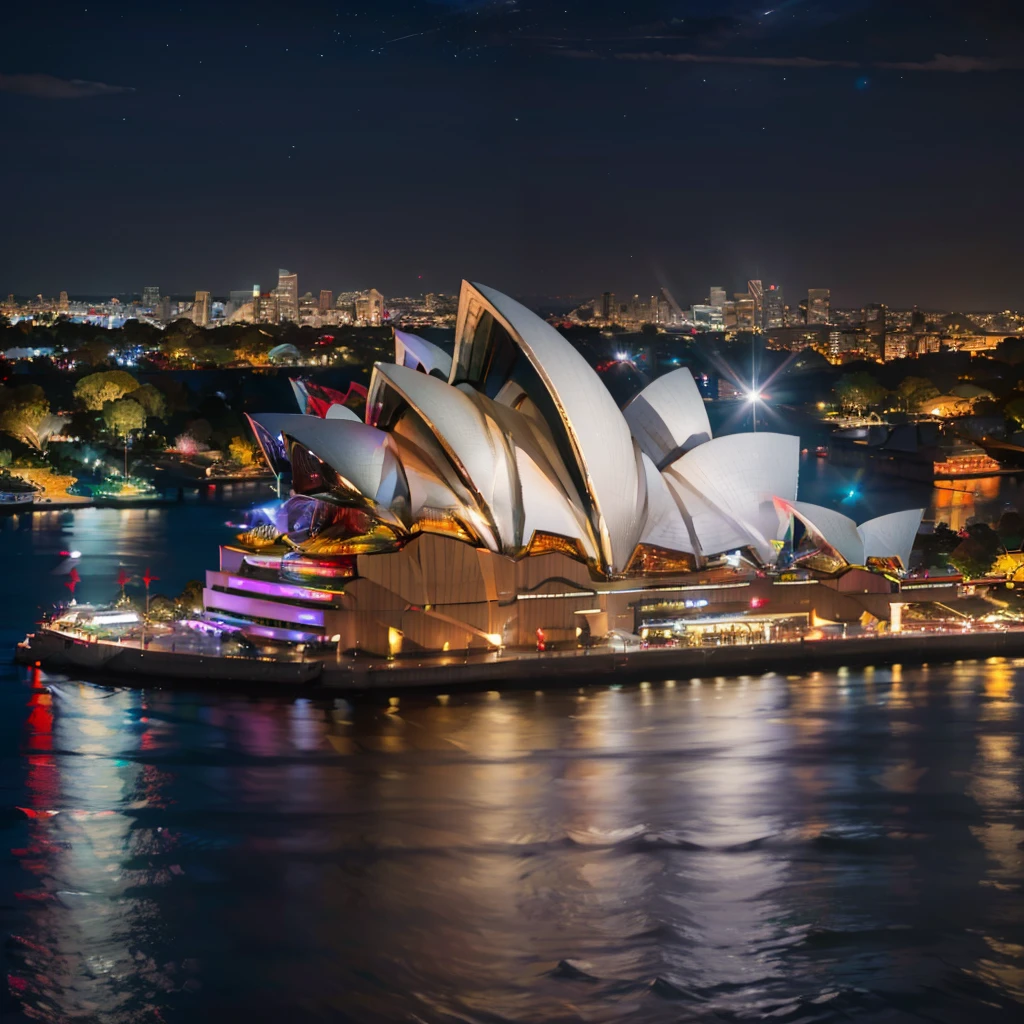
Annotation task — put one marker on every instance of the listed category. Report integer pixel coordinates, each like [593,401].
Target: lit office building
[774,310]
[287,292]
[819,305]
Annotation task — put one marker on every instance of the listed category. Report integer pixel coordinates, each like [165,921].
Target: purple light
[279,590]
[257,608]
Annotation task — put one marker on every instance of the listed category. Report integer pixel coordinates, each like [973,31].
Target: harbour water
[815,848]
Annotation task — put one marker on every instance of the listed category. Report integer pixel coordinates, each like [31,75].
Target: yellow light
[494,639]
[394,641]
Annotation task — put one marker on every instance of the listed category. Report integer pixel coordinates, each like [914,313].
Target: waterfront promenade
[165,662]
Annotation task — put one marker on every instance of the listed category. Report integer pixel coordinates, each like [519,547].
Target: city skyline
[851,144]
[792,299]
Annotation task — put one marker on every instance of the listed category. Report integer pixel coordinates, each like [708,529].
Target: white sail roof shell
[471,440]
[412,350]
[545,507]
[665,526]
[355,451]
[274,423]
[839,532]
[891,535]
[596,431]
[668,417]
[737,478]
[341,412]
[888,536]
[711,530]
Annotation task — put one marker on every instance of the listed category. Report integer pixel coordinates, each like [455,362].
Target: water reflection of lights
[767,842]
[86,932]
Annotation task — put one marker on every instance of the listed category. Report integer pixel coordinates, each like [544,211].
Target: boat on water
[915,451]
[964,460]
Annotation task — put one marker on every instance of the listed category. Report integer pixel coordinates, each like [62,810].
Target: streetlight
[753,397]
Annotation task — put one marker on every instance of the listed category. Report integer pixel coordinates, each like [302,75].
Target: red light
[758,602]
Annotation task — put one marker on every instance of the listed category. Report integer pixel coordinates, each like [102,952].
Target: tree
[253,346]
[242,451]
[1014,410]
[912,391]
[975,554]
[96,389]
[201,430]
[1010,529]
[5,458]
[123,415]
[95,352]
[1010,350]
[190,599]
[23,410]
[858,391]
[151,399]
[184,333]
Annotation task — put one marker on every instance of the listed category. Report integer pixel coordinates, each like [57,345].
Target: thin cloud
[765,62]
[948,63]
[49,87]
[956,63]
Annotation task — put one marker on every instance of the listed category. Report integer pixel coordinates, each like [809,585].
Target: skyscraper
[269,307]
[287,295]
[819,307]
[151,296]
[326,299]
[755,289]
[63,304]
[774,310]
[716,297]
[607,305]
[745,317]
[201,309]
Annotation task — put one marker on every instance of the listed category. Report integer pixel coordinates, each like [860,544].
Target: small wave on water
[740,855]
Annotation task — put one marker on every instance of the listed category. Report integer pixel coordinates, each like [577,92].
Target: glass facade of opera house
[500,490]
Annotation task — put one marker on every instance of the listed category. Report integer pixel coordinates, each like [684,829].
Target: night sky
[870,146]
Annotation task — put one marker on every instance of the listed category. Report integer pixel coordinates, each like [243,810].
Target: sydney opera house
[499,491]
